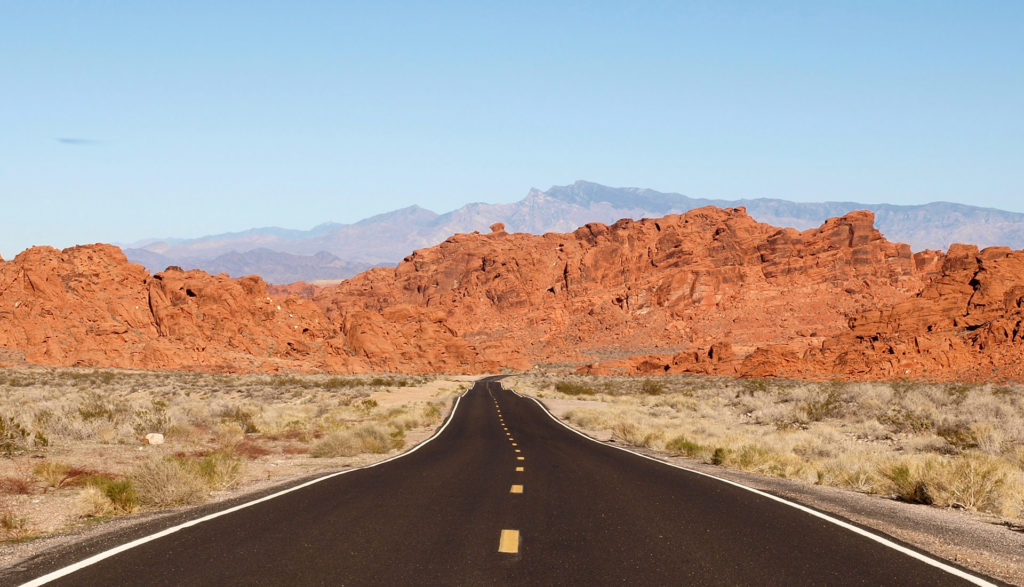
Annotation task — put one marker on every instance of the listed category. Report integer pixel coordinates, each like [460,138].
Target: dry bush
[337,444]
[17,438]
[636,433]
[53,474]
[368,438]
[13,526]
[119,491]
[229,435]
[92,502]
[217,470]
[185,432]
[15,485]
[165,482]
[681,445]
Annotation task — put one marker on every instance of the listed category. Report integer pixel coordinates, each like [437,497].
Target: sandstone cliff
[708,291]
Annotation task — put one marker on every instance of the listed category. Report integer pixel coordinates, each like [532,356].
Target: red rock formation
[967,323]
[89,306]
[710,291]
[649,286]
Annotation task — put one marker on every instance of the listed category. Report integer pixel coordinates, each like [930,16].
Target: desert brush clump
[952,445]
[367,438]
[14,526]
[173,481]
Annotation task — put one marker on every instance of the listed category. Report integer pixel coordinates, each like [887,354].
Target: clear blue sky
[126,120]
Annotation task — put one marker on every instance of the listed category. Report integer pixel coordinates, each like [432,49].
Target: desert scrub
[15,438]
[973,481]
[15,485]
[681,445]
[571,388]
[119,492]
[217,470]
[219,431]
[368,438]
[948,444]
[166,482]
[637,433]
[172,481]
[13,526]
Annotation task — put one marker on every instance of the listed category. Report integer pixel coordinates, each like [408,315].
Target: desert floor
[74,462]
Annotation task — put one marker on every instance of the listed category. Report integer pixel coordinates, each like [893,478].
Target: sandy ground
[975,541]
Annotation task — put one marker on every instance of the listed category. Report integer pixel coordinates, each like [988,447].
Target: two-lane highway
[506,494]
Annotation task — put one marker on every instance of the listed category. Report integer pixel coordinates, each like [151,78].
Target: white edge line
[140,541]
[846,525]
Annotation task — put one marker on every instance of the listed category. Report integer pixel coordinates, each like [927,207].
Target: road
[504,494]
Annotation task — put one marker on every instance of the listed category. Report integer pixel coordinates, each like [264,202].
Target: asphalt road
[506,495]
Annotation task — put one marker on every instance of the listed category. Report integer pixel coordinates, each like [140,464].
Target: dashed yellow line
[516,489]
[519,469]
[519,450]
[509,541]
[520,458]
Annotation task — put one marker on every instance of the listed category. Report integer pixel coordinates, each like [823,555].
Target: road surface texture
[505,494]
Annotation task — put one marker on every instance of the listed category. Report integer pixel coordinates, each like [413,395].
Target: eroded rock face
[709,291]
[967,323]
[88,306]
[677,285]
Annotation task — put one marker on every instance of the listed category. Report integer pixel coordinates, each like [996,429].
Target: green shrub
[719,456]
[216,470]
[120,492]
[908,486]
[682,446]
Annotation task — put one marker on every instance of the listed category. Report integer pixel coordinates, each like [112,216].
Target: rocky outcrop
[709,291]
[648,287]
[967,323]
[88,306]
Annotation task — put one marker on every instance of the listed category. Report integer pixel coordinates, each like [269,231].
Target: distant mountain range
[334,251]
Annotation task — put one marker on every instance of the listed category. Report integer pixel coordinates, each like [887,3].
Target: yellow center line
[516,489]
[520,469]
[520,458]
[514,444]
[509,541]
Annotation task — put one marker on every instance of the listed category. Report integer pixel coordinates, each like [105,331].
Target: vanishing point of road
[505,494]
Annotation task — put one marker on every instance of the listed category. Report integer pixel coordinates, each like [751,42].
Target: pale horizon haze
[129,120]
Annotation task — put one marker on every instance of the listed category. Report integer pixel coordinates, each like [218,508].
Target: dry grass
[76,435]
[950,445]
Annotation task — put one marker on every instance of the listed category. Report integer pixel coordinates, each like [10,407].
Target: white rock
[154,438]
